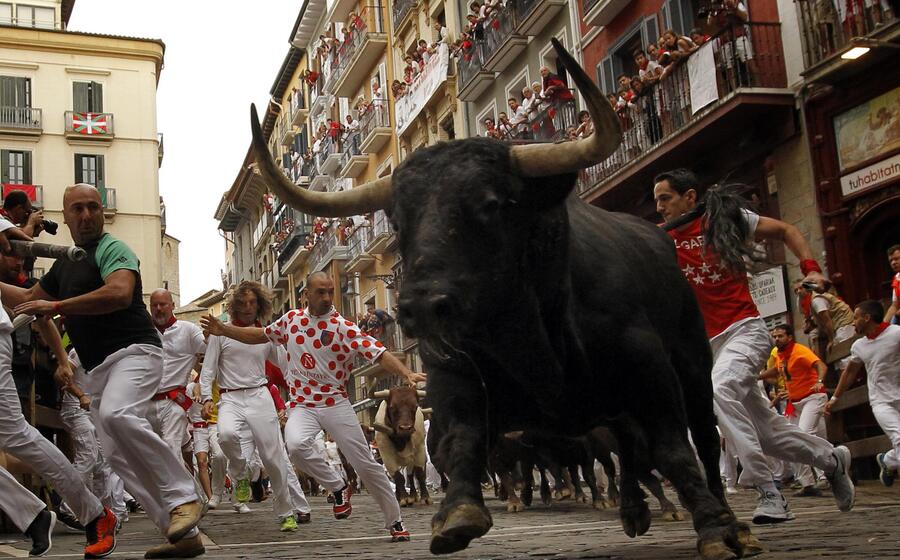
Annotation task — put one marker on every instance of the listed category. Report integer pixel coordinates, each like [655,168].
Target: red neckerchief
[645,64]
[237,323]
[878,330]
[168,324]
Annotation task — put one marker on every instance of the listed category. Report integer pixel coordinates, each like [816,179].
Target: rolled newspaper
[46,250]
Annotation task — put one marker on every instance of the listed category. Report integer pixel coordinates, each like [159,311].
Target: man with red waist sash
[182,342]
[803,373]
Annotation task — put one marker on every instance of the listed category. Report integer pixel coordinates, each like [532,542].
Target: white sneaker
[214,502]
[841,485]
[241,507]
[771,508]
[731,490]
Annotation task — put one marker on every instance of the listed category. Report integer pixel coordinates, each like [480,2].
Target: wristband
[833,399]
[809,265]
[56,307]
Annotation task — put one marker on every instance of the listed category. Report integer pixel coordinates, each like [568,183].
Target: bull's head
[402,403]
[465,212]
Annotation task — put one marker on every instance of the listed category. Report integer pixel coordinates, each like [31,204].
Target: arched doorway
[872,232]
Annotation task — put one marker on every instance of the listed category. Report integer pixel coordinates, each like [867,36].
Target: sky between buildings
[220,56]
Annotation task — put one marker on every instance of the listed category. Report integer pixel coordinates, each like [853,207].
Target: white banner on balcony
[407,108]
[702,77]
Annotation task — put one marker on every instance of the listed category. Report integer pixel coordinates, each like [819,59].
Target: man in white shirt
[321,344]
[245,404]
[182,343]
[879,352]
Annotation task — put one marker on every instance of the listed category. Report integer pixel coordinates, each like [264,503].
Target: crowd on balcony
[417,58]
[545,111]
[480,14]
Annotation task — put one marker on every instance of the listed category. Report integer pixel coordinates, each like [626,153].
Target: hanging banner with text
[769,293]
[408,107]
[872,176]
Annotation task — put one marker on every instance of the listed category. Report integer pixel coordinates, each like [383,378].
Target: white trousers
[888,417]
[170,422]
[26,444]
[206,440]
[342,425]
[254,463]
[17,502]
[89,460]
[728,465]
[809,416]
[252,410]
[743,413]
[121,388]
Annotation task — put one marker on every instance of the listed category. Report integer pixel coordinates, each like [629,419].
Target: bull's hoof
[601,504]
[546,499]
[426,500]
[728,541]
[527,496]
[515,507]
[581,498]
[635,519]
[613,501]
[672,515]
[452,532]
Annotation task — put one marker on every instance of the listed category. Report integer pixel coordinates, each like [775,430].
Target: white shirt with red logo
[724,297]
[320,351]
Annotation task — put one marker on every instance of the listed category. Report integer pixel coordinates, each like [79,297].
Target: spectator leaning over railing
[893,313]
[585,125]
[518,119]
[679,46]
[698,36]
[730,21]
[649,70]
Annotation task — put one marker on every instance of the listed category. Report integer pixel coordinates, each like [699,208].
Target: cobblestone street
[564,530]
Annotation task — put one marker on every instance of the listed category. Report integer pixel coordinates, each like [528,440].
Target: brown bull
[400,434]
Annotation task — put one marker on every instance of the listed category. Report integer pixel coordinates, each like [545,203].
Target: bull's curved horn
[427,411]
[541,160]
[363,199]
[422,394]
[383,394]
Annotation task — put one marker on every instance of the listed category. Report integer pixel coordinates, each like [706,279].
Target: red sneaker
[399,532]
[101,535]
[342,508]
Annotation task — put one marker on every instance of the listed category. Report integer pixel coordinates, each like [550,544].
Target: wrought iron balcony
[358,258]
[353,162]
[21,120]
[35,192]
[364,44]
[375,127]
[827,32]
[382,237]
[89,125]
[399,11]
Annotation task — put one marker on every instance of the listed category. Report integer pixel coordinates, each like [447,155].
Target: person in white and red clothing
[182,342]
[321,345]
[712,238]
[879,351]
[893,313]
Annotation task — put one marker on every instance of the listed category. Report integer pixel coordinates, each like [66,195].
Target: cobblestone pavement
[563,530]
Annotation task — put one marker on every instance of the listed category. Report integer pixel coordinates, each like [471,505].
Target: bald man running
[101,299]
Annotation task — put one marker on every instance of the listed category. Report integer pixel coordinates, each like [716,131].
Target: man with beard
[108,323]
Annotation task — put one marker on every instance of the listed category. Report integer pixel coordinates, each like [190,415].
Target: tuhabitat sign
[872,176]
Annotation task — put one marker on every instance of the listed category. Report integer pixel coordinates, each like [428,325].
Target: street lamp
[862,45]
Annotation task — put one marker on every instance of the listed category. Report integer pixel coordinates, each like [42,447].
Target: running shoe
[41,533]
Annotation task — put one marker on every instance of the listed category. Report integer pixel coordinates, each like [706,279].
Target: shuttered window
[87,97]
[89,169]
[15,91]
[16,167]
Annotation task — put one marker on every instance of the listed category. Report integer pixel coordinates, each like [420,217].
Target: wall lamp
[861,45]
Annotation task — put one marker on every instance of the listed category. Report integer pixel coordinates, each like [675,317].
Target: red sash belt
[178,395]
[201,425]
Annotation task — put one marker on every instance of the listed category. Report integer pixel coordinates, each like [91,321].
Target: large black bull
[535,310]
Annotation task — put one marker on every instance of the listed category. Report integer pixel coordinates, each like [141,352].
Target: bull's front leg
[458,443]
[400,488]
[421,480]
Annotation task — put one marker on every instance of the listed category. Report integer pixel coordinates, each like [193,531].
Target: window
[16,167]
[6,14]
[87,97]
[34,16]
[514,89]
[620,59]
[15,91]
[89,169]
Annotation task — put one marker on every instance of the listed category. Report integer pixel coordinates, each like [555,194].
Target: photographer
[17,208]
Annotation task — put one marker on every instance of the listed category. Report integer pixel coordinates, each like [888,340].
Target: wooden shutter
[649,31]
[606,75]
[7,91]
[96,97]
[79,169]
[80,97]
[101,175]
[4,166]
[26,168]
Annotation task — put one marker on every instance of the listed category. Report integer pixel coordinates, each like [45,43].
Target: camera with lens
[710,8]
[50,226]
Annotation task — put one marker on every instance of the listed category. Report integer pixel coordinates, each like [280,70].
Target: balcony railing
[108,197]
[664,109]
[471,63]
[35,192]
[89,125]
[399,11]
[552,122]
[160,151]
[376,117]
[826,31]
[358,241]
[363,45]
[326,244]
[26,118]
[290,229]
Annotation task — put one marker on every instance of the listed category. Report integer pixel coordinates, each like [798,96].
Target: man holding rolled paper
[110,328]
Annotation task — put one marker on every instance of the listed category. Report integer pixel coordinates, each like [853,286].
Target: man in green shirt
[110,328]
